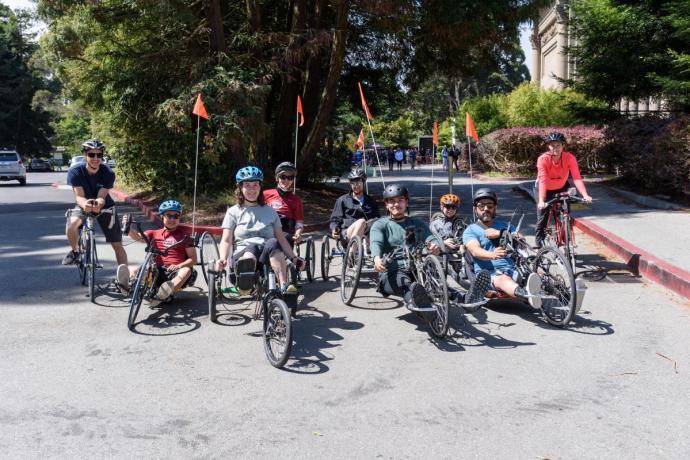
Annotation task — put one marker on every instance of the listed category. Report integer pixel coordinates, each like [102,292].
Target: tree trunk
[312,77]
[253,16]
[214,16]
[316,134]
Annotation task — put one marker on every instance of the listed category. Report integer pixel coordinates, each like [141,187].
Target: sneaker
[122,277]
[420,298]
[163,294]
[290,289]
[72,257]
[478,287]
[533,289]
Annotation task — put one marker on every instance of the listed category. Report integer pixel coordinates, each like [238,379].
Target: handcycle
[270,307]
[559,227]
[88,256]
[556,293]
[149,276]
[426,269]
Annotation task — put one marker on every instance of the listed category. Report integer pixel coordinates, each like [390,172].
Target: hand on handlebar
[435,250]
[541,204]
[499,253]
[587,198]
[380,265]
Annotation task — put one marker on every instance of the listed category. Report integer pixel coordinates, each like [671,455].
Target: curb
[640,262]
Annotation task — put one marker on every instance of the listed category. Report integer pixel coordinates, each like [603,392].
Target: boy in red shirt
[553,168]
[178,265]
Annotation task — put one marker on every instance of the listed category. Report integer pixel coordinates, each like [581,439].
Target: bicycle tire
[325,257]
[569,246]
[351,270]
[208,250]
[558,281]
[81,266]
[434,281]
[277,331]
[92,269]
[310,260]
[212,297]
[138,293]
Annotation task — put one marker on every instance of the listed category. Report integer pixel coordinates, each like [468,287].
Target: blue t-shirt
[475,232]
[78,176]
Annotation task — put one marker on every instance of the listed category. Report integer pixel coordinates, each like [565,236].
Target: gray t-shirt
[251,224]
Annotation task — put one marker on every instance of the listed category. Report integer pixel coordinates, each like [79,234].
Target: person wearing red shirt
[177,266]
[285,203]
[554,167]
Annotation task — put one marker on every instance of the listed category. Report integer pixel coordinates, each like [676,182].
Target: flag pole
[433,165]
[371,131]
[294,182]
[196,164]
[469,156]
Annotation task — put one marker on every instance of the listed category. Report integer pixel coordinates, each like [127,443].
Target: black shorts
[163,275]
[109,223]
[262,252]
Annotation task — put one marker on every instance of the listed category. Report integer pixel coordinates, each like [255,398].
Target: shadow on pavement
[177,317]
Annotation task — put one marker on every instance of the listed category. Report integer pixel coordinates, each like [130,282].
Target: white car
[77,160]
[12,167]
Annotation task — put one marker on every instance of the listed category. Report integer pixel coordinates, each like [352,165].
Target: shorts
[108,222]
[163,275]
[262,252]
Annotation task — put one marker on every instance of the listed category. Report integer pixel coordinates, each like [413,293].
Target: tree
[656,33]
[23,125]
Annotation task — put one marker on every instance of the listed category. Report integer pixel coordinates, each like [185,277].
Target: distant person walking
[413,158]
[399,157]
[444,157]
[391,158]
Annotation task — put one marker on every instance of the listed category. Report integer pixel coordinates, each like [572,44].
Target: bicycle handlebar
[567,197]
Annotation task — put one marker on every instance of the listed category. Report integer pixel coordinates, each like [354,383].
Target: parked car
[12,167]
[111,162]
[40,165]
[76,160]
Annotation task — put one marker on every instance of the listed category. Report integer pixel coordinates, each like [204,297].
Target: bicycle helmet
[285,166]
[394,190]
[357,173]
[555,137]
[170,205]
[249,173]
[92,144]
[450,198]
[483,193]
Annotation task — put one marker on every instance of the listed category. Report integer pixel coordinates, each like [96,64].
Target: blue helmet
[249,173]
[170,205]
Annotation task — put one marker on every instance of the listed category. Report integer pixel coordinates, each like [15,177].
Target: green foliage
[488,113]
[71,129]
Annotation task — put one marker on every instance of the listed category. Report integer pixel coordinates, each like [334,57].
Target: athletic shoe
[72,257]
[290,289]
[534,290]
[478,287]
[164,293]
[122,277]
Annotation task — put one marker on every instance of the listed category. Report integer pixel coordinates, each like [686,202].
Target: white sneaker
[534,290]
[164,293]
[122,277]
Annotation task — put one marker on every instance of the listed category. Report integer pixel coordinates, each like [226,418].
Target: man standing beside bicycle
[554,167]
[91,182]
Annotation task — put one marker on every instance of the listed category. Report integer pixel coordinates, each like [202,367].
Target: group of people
[263,226]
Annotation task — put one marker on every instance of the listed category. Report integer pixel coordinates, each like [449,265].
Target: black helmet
[357,173]
[555,137]
[394,190]
[483,193]
[285,166]
[93,144]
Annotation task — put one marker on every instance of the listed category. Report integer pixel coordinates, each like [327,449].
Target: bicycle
[270,306]
[559,227]
[145,286]
[88,256]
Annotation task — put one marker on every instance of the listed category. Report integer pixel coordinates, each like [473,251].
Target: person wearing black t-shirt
[91,182]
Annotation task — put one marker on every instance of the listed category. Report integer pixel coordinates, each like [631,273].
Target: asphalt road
[364,381]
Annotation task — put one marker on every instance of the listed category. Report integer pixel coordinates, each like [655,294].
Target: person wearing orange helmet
[448,224]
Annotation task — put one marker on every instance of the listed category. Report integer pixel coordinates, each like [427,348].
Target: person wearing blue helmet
[252,234]
[177,266]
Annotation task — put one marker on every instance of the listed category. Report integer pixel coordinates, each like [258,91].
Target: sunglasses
[356,182]
[450,206]
[286,177]
[485,205]
[95,155]
[172,216]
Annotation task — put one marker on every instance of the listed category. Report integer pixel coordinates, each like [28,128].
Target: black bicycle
[88,256]
[559,229]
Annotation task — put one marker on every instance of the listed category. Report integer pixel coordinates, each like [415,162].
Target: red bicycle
[559,227]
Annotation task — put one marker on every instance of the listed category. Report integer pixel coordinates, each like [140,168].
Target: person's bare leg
[279,265]
[505,284]
[72,232]
[120,253]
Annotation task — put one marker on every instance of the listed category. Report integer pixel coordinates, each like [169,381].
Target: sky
[524,35]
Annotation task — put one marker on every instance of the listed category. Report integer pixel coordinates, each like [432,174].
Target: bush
[515,150]
[488,114]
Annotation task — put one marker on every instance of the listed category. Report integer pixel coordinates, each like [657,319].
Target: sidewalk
[653,242]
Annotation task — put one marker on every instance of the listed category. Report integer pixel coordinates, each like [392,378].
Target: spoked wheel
[310,261]
[81,265]
[352,268]
[277,332]
[435,284]
[325,256]
[557,285]
[212,297]
[569,245]
[208,250]
[137,295]
[91,268]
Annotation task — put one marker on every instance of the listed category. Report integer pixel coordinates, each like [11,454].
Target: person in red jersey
[285,202]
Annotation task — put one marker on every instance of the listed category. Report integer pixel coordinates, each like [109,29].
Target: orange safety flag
[364,102]
[469,127]
[360,139]
[199,109]
[300,111]
[436,133]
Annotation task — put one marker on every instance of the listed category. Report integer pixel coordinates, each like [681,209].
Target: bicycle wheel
[557,286]
[310,260]
[277,331]
[325,256]
[569,244]
[352,268]
[81,266]
[212,297]
[434,281]
[208,250]
[138,292]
